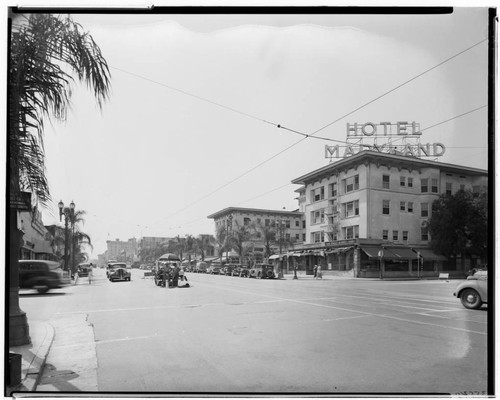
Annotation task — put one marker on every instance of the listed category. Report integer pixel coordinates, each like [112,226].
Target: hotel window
[425,185]
[351,232]
[317,216]
[351,183]
[402,206]
[267,222]
[287,237]
[318,194]
[410,206]
[405,236]
[287,223]
[297,223]
[386,207]
[448,188]
[317,237]
[297,236]
[462,187]
[246,221]
[258,221]
[434,183]
[424,234]
[303,237]
[385,181]
[395,235]
[259,235]
[410,182]
[351,209]
[385,234]
[333,189]
[304,225]
[402,181]
[424,209]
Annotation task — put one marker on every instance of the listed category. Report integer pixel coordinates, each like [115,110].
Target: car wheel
[41,287]
[471,299]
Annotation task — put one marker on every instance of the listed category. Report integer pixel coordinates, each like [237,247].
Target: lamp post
[69,213]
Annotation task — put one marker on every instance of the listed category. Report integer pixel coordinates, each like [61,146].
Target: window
[318,194]
[297,223]
[287,237]
[395,235]
[405,236]
[448,188]
[402,206]
[434,183]
[385,234]
[424,210]
[317,237]
[333,189]
[424,234]
[287,223]
[317,216]
[402,181]
[351,232]
[410,206]
[303,237]
[246,221]
[304,226]
[267,222]
[386,207]
[351,184]
[351,209]
[410,182]
[297,236]
[425,185]
[462,187]
[385,181]
[259,235]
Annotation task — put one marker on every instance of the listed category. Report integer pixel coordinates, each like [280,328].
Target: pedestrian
[315,271]
[90,274]
[318,272]
[182,274]
[175,278]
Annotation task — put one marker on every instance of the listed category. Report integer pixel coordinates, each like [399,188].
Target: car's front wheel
[42,287]
[471,299]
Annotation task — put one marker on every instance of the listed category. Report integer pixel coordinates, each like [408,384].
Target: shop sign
[20,201]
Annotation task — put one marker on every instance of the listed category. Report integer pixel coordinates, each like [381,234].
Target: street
[238,335]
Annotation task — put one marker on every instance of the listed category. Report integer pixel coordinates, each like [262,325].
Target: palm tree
[204,243]
[240,237]
[268,236]
[45,50]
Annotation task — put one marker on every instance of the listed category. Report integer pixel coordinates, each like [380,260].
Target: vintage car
[214,269]
[42,275]
[118,272]
[474,291]
[83,269]
[262,271]
[200,267]
[242,271]
[229,269]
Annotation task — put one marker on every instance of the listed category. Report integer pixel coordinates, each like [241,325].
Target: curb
[34,356]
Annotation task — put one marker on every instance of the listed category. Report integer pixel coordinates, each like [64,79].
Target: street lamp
[69,213]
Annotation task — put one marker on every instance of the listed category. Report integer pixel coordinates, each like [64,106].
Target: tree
[45,52]
[459,225]
[240,235]
[204,243]
[267,235]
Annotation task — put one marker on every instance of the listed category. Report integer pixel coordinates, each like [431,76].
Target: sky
[190,127]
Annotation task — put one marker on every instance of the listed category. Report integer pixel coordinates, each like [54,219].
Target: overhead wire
[280,126]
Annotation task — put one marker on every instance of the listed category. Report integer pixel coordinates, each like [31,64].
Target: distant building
[122,251]
[285,228]
[366,215]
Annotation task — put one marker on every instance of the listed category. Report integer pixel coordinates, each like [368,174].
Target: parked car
[241,271]
[474,291]
[201,267]
[83,269]
[42,275]
[214,269]
[229,269]
[262,271]
[118,272]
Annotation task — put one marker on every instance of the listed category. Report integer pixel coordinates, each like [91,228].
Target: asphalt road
[237,335]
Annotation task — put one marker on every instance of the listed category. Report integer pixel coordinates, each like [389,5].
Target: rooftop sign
[401,138]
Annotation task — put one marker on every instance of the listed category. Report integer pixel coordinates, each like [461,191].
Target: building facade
[37,243]
[367,215]
[284,229]
[125,251]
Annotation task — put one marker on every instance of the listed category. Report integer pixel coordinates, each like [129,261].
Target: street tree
[459,225]
[240,236]
[46,52]
[204,243]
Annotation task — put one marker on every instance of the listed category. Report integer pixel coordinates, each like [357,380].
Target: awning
[274,256]
[339,250]
[295,254]
[429,255]
[404,253]
[371,252]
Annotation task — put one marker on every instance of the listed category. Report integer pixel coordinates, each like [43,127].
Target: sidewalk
[34,356]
